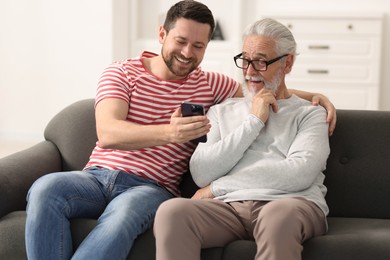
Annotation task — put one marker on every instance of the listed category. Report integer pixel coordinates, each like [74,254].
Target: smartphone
[192,109]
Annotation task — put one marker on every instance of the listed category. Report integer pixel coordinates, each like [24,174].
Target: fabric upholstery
[74,133]
[18,171]
[357,177]
[357,174]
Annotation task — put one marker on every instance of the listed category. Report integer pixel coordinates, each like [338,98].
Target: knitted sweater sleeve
[218,156]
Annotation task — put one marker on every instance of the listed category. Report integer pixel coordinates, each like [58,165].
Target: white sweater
[245,159]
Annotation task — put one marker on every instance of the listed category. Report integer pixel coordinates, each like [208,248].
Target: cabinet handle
[319,47]
[313,71]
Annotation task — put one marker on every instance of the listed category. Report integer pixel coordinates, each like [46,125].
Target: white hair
[268,27]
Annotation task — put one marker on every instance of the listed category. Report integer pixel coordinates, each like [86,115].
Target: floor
[8,147]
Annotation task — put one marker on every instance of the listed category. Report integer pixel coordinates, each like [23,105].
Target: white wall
[51,54]
[53,51]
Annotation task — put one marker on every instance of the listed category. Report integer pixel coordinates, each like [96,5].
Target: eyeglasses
[259,65]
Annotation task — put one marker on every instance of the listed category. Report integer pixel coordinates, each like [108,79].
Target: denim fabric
[124,204]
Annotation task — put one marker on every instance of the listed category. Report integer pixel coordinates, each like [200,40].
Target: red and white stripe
[152,101]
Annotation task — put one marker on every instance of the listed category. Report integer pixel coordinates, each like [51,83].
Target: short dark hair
[192,10]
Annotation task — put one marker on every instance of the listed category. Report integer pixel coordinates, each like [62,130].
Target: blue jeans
[124,204]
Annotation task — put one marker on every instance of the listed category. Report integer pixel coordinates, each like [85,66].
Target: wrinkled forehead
[255,46]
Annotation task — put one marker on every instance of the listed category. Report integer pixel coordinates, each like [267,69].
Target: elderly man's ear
[289,63]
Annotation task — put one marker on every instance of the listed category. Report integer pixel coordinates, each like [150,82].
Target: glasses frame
[266,62]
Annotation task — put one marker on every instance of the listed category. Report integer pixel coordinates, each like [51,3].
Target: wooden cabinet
[339,56]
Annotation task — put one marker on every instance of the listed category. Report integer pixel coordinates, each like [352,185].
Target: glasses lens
[259,65]
[256,64]
[241,63]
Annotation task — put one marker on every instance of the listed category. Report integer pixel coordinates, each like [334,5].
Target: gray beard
[272,85]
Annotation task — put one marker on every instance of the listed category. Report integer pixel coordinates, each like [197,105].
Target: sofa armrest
[19,170]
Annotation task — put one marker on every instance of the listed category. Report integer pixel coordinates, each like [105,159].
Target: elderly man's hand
[203,193]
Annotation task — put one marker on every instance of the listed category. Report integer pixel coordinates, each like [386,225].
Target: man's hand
[261,104]
[203,193]
[322,100]
[183,129]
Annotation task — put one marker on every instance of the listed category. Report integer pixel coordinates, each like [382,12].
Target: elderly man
[261,168]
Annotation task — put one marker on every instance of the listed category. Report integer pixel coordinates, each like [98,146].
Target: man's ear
[162,34]
[289,63]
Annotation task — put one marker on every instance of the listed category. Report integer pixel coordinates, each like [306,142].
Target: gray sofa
[357,177]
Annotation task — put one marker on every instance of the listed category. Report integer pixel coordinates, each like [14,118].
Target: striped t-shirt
[152,101]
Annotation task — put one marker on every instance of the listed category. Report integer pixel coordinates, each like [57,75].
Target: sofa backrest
[358,168]
[73,130]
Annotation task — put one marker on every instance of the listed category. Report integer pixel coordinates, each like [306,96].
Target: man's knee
[283,208]
[169,215]
[43,187]
[172,210]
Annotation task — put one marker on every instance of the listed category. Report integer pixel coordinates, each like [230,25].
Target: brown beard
[170,62]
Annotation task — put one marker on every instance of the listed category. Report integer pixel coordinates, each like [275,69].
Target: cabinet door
[339,56]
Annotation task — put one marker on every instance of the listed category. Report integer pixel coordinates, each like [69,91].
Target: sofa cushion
[143,248]
[347,239]
[350,239]
[357,174]
[12,246]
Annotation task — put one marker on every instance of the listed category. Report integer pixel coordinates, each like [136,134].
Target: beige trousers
[184,226]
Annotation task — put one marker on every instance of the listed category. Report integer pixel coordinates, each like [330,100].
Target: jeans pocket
[105,177]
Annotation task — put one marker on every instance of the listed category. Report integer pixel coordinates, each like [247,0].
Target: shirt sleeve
[217,156]
[113,83]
